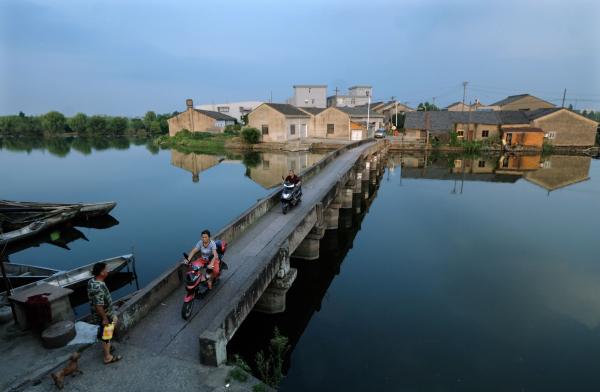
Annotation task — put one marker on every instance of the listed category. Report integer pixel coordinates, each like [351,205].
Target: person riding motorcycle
[208,251]
[292,178]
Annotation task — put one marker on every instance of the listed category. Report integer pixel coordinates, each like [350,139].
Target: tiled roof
[359,111]
[537,113]
[287,109]
[313,111]
[216,115]
[513,98]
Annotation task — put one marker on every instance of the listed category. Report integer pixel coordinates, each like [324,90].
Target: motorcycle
[291,194]
[197,277]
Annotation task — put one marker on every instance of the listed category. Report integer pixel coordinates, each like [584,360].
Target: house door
[509,139]
[470,135]
[303,130]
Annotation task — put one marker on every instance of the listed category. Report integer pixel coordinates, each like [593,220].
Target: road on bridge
[164,332]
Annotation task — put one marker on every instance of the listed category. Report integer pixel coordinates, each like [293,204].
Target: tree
[149,118]
[427,107]
[53,122]
[78,123]
[251,135]
[97,124]
[155,127]
[117,125]
[136,124]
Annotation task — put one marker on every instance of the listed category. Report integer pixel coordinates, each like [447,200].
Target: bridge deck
[163,331]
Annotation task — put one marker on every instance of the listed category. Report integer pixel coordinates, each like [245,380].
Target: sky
[125,57]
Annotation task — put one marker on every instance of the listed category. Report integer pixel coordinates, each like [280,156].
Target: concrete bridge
[261,242]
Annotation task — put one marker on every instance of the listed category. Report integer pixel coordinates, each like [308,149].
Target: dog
[72,369]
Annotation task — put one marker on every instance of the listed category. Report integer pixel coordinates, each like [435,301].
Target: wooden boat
[78,277]
[21,220]
[37,227]
[22,274]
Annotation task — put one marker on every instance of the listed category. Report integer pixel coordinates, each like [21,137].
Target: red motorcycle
[198,276]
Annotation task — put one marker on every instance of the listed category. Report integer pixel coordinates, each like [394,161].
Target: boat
[76,278]
[22,274]
[21,220]
[36,227]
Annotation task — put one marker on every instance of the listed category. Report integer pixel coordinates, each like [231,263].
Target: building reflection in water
[268,169]
[549,172]
[194,163]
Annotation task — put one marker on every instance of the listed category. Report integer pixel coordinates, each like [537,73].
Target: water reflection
[264,168]
[271,166]
[194,163]
[62,146]
[549,172]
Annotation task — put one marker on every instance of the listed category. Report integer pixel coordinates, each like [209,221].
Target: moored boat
[22,274]
[76,278]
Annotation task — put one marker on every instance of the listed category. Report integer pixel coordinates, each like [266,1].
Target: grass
[201,142]
[240,370]
[259,388]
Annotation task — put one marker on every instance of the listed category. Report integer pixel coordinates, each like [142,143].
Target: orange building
[523,137]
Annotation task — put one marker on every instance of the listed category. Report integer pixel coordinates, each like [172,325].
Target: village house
[195,120]
[463,107]
[343,123]
[557,126]
[389,110]
[519,102]
[559,171]
[279,122]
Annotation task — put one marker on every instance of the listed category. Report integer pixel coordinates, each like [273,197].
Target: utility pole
[464,94]
[563,100]
[393,98]
[368,112]
[271,97]
[433,102]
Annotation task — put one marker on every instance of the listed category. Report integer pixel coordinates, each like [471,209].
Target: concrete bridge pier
[309,247]
[273,298]
[366,171]
[331,216]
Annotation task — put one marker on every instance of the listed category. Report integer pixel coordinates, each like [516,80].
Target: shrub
[251,135]
[270,365]
[53,122]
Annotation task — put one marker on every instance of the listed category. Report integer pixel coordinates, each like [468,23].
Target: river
[451,273]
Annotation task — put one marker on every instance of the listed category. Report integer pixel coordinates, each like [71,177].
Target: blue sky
[126,57]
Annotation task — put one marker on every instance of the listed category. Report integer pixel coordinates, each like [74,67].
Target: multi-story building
[232,109]
[309,96]
[357,96]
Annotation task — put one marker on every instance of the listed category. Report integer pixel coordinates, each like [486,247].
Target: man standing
[102,308]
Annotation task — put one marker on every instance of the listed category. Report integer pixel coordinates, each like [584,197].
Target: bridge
[260,244]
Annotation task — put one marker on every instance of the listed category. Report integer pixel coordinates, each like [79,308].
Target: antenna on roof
[563,100]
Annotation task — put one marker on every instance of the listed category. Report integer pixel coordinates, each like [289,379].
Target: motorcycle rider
[292,178]
[208,251]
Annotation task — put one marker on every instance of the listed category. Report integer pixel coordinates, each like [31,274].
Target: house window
[265,164]
[485,133]
[458,163]
[551,135]
[547,164]
[481,164]
[223,109]
[292,129]
[460,133]
[353,101]
[330,128]
[265,129]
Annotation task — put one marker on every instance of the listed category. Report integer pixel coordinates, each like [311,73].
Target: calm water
[453,274]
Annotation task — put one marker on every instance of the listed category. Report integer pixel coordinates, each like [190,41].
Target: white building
[233,109]
[309,96]
[357,96]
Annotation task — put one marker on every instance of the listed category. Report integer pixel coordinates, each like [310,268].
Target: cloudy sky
[126,57]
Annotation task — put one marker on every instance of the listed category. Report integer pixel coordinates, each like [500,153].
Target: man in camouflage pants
[102,308]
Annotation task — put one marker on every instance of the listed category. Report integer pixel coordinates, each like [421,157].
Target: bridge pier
[331,216]
[273,298]
[213,348]
[309,247]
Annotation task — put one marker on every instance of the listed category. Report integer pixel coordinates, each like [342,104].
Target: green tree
[79,123]
[53,122]
[97,124]
[427,107]
[154,127]
[149,118]
[251,135]
[136,125]
[117,125]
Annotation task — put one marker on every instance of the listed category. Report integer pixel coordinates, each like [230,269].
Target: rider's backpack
[221,246]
